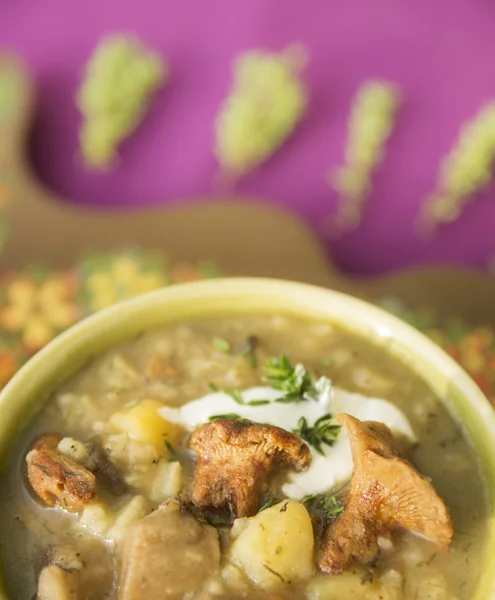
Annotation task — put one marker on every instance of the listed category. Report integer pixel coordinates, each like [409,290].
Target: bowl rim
[244,295]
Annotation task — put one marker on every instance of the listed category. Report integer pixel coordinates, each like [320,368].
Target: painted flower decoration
[37,304]
[38,308]
[371,123]
[267,101]
[466,170]
[120,78]
[111,278]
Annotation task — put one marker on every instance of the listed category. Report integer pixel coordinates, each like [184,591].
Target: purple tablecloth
[440,52]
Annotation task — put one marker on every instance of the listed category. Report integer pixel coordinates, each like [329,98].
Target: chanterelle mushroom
[236,459]
[386,493]
[56,478]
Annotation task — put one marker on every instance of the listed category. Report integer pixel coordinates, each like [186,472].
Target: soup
[260,457]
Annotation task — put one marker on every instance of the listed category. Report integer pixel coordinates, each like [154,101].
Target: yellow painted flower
[124,277]
[38,312]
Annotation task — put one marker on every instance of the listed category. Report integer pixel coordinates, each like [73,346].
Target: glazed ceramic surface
[24,396]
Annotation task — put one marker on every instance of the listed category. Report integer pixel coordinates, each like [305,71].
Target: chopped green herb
[221,344]
[329,505]
[324,431]
[251,358]
[309,499]
[174,457]
[225,416]
[218,521]
[169,447]
[270,501]
[289,398]
[248,349]
[297,382]
[235,395]
[209,519]
[332,506]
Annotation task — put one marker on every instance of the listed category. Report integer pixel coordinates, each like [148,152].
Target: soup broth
[132,431]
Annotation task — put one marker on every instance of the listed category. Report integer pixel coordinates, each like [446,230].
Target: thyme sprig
[296,382]
[324,431]
[329,506]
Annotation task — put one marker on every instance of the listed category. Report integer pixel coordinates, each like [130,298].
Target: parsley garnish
[225,416]
[297,382]
[324,431]
[329,506]
[221,344]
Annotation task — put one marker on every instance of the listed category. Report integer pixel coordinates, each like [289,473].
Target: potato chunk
[275,547]
[143,423]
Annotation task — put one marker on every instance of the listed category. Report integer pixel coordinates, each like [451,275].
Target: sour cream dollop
[327,472]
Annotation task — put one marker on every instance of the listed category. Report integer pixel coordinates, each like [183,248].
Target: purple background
[440,51]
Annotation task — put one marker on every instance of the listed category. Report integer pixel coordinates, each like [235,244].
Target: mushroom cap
[236,459]
[386,493]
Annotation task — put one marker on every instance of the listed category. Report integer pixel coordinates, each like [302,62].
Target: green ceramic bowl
[24,396]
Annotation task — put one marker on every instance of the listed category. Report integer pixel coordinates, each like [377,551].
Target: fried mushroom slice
[236,459]
[386,493]
[57,479]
